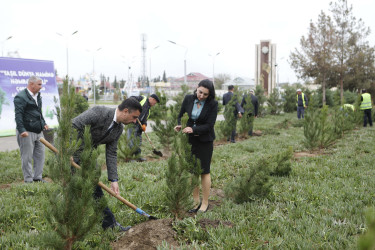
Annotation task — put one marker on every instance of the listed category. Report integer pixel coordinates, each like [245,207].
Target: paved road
[10,143]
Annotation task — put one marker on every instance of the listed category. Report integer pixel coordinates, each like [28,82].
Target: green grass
[321,205]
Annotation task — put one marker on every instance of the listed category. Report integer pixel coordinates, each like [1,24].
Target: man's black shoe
[40,180]
[233,141]
[28,182]
[118,226]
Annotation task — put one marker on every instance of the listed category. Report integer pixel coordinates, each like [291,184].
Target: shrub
[289,96]
[367,241]
[124,152]
[251,184]
[274,102]
[280,163]
[81,105]
[179,179]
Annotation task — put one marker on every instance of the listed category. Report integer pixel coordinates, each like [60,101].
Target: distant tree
[220,79]
[115,83]
[354,58]
[122,83]
[164,77]
[315,58]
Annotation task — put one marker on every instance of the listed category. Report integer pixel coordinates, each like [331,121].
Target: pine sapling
[73,211]
[252,183]
[124,152]
[246,123]
[181,176]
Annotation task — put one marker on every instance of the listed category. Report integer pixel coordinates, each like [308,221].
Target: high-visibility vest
[366,103]
[142,102]
[303,99]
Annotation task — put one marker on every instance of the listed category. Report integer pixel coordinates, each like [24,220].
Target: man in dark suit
[106,126]
[254,109]
[237,111]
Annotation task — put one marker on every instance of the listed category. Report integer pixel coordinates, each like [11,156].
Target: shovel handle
[148,138]
[101,184]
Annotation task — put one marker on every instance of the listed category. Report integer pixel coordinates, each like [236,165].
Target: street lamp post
[150,60]
[67,50]
[93,73]
[184,58]
[2,45]
[213,66]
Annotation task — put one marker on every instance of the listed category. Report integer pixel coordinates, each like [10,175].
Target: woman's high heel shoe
[194,210]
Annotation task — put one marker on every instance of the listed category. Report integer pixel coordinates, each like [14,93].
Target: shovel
[157,152]
[138,210]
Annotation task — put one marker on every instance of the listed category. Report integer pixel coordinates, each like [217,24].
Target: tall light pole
[213,66]
[2,45]
[67,50]
[184,58]
[93,72]
[150,60]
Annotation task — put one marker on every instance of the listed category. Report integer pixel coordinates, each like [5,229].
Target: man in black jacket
[146,104]
[30,124]
[237,111]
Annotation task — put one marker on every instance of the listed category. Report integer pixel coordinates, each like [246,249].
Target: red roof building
[192,80]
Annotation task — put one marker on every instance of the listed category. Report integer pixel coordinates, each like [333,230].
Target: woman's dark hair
[131,104]
[208,85]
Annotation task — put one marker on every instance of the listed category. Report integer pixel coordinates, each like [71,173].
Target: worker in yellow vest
[146,104]
[366,106]
[301,104]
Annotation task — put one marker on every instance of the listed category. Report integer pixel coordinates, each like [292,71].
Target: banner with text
[14,75]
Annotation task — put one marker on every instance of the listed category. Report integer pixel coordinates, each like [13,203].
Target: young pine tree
[181,176]
[274,102]
[246,123]
[311,129]
[165,123]
[281,164]
[124,152]
[230,121]
[73,211]
[252,183]
[327,135]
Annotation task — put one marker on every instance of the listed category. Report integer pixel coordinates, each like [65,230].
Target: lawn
[321,205]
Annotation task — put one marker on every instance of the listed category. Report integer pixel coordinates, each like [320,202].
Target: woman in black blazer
[201,108]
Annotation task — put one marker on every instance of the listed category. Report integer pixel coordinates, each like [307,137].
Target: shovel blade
[157,152]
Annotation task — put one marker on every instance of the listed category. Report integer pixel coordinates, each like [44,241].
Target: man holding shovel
[146,104]
[106,126]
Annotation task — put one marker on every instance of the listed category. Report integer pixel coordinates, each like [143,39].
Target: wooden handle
[110,191]
[148,138]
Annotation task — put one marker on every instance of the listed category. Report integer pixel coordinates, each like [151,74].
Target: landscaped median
[320,205]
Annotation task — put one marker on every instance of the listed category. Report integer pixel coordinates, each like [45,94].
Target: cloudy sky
[200,27]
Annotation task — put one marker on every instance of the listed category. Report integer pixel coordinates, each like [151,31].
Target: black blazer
[204,125]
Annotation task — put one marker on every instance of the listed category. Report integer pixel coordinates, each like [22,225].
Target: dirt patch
[148,235]
[217,192]
[5,186]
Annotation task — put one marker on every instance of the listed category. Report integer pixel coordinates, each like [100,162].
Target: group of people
[107,124]
[239,109]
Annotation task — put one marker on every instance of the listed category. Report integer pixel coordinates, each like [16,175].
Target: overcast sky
[203,27]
